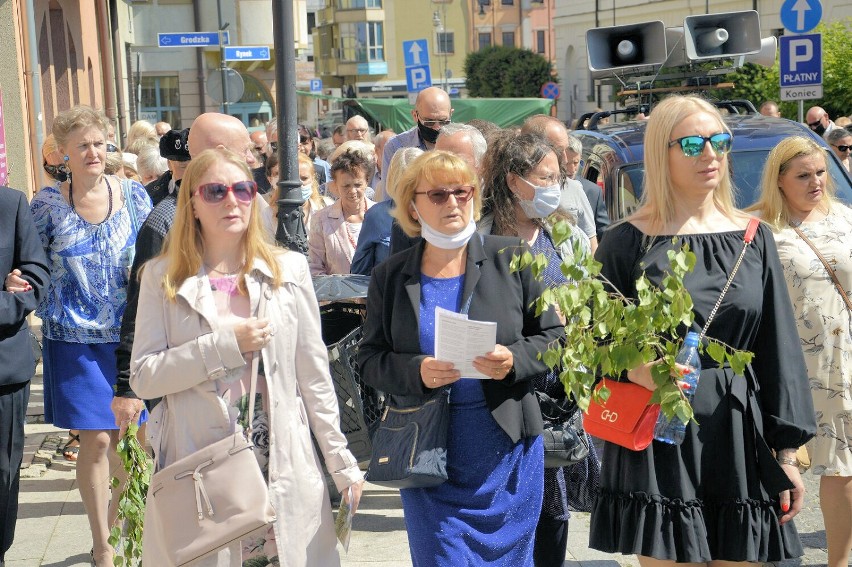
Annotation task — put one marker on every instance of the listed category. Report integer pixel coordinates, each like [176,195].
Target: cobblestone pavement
[52,529]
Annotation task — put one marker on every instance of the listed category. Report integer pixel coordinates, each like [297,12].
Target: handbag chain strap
[751,230]
[828,267]
[255,361]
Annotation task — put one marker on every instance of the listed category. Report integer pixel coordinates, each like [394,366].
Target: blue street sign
[416,53]
[550,90]
[316,85]
[189,39]
[246,53]
[418,78]
[801,16]
[801,60]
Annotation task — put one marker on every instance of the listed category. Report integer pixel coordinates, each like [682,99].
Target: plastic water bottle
[672,430]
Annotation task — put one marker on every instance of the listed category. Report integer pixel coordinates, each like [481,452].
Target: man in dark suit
[21,254]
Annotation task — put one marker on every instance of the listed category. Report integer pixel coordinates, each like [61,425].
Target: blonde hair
[435,168]
[275,194]
[657,205]
[141,133]
[772,206]
[397,167]
[184,246]
[80,116]
[48,147]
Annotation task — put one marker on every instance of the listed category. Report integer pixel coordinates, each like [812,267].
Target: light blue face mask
[544,202]
[307,191]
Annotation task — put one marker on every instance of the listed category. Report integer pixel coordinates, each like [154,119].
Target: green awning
[395,113]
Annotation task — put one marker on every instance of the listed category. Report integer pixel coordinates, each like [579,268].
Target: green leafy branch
[607,334]
[126,535]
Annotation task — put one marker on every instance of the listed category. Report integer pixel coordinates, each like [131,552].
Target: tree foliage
[759,84]
[607,334]
[506,72]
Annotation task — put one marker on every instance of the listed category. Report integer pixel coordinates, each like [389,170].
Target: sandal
[70,451]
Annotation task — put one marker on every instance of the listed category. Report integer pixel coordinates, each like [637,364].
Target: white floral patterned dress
[825,330]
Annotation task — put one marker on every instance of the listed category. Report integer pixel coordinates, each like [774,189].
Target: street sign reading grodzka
[190,39]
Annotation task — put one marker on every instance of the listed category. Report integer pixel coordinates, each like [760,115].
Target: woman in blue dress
[522,186]
[88,226]
[486,512]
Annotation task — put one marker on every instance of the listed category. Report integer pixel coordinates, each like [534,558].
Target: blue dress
[83,304]
[486,513]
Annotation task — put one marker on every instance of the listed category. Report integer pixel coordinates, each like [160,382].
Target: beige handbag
[214,497]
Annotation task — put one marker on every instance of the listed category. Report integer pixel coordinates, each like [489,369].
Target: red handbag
[625,419]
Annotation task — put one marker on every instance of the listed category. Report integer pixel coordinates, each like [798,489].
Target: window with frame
[358,4]
[509,39]
[362,42]
[161,96]
[445,42]
[540,43]
[508,2]
[484,40]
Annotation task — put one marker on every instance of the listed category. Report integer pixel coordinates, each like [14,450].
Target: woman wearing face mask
[310,188]
[52,162]
[522,180]
[485,513]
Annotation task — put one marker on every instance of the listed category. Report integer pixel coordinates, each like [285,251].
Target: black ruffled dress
[716,496]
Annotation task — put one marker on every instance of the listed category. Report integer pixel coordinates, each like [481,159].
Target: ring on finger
[434,381]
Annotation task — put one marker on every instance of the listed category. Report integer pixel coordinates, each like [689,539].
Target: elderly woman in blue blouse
[88,226]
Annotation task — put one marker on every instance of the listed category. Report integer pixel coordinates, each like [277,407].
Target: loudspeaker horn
[728,34]
[766,55]
[632,46]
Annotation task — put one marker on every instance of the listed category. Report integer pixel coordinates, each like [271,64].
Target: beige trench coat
[179,352]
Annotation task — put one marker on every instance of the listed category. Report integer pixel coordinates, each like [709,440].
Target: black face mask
[428,134]
[58,172]
[819,129]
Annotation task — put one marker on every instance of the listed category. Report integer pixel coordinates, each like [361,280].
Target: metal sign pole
[223,67]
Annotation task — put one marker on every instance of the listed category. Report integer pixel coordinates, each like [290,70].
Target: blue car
[613,157]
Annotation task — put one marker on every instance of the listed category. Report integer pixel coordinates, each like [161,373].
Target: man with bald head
[357,128]
[573,197]
[208,131]
[818,121]
[432,110]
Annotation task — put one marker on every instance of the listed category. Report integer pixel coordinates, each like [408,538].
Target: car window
[746,172]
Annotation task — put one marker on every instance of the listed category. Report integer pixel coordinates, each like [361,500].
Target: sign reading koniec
[801,66]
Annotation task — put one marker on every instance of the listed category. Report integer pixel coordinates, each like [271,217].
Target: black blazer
[20,247]
[389,354]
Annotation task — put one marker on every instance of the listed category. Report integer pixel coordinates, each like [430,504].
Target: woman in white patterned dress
[797,194]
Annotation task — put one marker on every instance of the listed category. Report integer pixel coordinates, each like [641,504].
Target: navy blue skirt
[78,385]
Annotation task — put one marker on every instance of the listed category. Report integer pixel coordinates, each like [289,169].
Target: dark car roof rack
[590,120]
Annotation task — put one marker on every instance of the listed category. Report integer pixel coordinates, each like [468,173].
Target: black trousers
[551,542]
[13,416]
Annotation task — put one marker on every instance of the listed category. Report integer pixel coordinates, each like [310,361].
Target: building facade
[572,19]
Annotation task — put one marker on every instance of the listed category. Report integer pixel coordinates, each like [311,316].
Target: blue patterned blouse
[88,263]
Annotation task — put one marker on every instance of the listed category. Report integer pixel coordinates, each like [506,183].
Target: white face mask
[446,241]
[307,191]
[544,202]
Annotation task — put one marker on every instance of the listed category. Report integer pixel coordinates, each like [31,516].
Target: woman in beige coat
[194,348]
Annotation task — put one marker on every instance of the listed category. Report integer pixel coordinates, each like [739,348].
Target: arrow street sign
[416,52]
[189,39]
[801,16]
[246,53]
